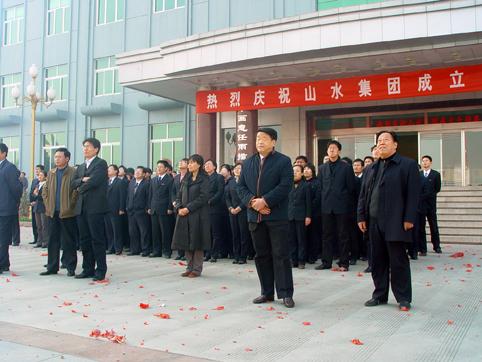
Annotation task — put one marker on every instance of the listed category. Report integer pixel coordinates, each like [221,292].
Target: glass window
[110,149]
[106,76]
[109,11]
[164,5]
[13,144]
[13,25]
[56,78]
[50,143]
[58,16]
[8,82]
[167,142]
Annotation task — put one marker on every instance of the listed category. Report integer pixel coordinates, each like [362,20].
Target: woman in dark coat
[38,209]
[192,232]
[313,231]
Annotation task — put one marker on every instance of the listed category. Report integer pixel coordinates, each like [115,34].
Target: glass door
[356,147]
[473,161]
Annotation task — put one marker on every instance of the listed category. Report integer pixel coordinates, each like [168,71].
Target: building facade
[128,72]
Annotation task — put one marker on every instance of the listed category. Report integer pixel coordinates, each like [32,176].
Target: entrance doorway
[408,145]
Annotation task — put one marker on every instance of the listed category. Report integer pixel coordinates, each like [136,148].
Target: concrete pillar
[206,135]
[246,129]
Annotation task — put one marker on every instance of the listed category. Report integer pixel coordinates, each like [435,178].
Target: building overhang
[10,120]
[50,115]
[375,38]
[103,110]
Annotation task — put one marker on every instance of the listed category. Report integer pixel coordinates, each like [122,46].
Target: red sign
[346,90]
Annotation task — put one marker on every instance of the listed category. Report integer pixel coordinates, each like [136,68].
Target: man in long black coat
[90,180]
[137,206]
[388,208]
[264,186]
[10,194]
[116,198]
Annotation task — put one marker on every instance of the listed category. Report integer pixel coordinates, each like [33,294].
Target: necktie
[135,187]
[426,173]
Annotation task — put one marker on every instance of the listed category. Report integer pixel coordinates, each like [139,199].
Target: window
[9,81]
[50,143]
[106,76]
[164,5]
[110,149]
[13,25]
[13,144]
[109,11]
[56,78]
[58,17]
[167,142]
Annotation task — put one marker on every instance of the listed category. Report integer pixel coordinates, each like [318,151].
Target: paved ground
[50,318]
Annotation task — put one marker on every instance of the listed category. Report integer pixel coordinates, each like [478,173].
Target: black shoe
[98,278]
[109,252]
[144,255]
[423,253]
[323,267]
[178,257]
[183,258]
[288,302]
[438,251]
[48,272]
[250,257]
[352,262]
[213,260]
[263,299]
[70,273]
[363,258]
[374,302]
[368,270]
[294,265]
[235,262]
[414,257]
[5,269]
[167,256]
[207,258]
[63,266]
[33,242]
[154,255]
[83,276]
[311,261]
[118,252]
[36,246]
[242,262]
[404,306]
[132,254]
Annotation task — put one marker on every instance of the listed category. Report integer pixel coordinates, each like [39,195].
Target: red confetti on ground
[307,323]
[8,280]
[73,311]
[162,316]
[224,287]
[85,315]
[404,309]
[220,307]
[357,342]
[110,335]
[280,317]
[142,343]
[44,254]
[458,254]
[468,265]
[206,316]
[248,349]
[146,323]
[13,274]
[181,263]
[359,274]
[144,305]
[67,303]
[141,286]
[468,270]
[270,308]
[192,308]
[450,322]
[430,267]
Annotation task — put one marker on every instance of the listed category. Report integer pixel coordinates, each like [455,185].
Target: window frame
[20,23]
[161,141]
[10,86]
[109,144]
[176,6]
[51,148]
[11,150]
[116,7]
[115,75]
[54,12]
[52,78]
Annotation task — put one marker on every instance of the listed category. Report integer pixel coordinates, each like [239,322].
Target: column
[246,129]
[206,135]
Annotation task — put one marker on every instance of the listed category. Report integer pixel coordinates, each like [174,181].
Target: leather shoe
[33,242]
[70,273]
[186,273]
[423,253]
[235,262]
[352,262]
[263,299]
[98,278]
[242,262]
[213,260]
[155,255]
[144,255]
[438,250]
[177,257]
[323,267]
[118,252]
[368,270]
[83,276]
[374,302]
[110,252]
[288,302]
[301,266]
[48,272]
[193,275]
[404,306]
[132,254]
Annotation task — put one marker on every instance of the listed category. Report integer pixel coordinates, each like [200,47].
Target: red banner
[346,90]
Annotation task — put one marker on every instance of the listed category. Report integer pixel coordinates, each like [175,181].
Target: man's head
[42,175]
[22,174]
[426,162]
[147,173]
[358,166]
[301,160]
[387,143]
[61,157]
[3,151]
[309,171]
[297,173]
[90,147]
[266,140]
[333,149]
[113,171]
[162,167]
[375,153]
[139,173]
[210,166]
[225,171]
[122,171]
[368,160]
[182,165]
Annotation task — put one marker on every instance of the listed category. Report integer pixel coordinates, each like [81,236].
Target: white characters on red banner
[394,86]
[284,95]
[259,97]
[310,94]
[235,99]
[365,89]
[212,101]
[457,80]
[336,91]
[424,83]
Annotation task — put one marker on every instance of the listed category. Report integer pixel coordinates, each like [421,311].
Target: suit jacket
[39,206]
[399,191]
[117,195]
[11,189]
[93,193]
[431,186]
[231,195]
[274,185]
[299,206]
[160,194]
[138,201]
[337,187]
[216,195]
[34,184]
[315,191]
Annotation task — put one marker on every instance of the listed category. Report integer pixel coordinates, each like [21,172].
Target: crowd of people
[283,214]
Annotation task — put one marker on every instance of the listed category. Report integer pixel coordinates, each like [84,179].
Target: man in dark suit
[91,182]
[176,185]
[116,198]
[337,194]
[137,205]
[161,211]
[10,193]
[431,184]
[217,210]
[33,186]
[264,186]
[387,208]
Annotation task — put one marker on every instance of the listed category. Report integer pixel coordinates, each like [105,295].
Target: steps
[459,212]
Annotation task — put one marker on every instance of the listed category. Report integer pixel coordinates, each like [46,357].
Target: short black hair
[65,151]
[301,168]
[391,133]
[227,167]
[114,166]
[312,168]
[334,142]
[213,162]
[4,148]
[301,157]
[41,167]
[169,167]
[185,159]
[141,167]
[197,158]
[43,172]
[270,132]
[94,142]
[164,163]
[347,160]
[147,170]
[373,147]
[130,170]
[427,156]
[368,157]
[358,160]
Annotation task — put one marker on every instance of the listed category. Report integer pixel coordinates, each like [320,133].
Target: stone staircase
[459,212]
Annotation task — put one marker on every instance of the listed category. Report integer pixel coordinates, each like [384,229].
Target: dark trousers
[126,239]
[272,259]
[297,237]
[5,240]
[139,233]
[43,229]
[16,231]
[62,235]
[390,264]
[354,239]
[194,260]
[92,243]
[113,231]
[431,216]
[369,248]
[162,229]
[313,239]
[240,235]
[336,227]
[217,235]
[34,227]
